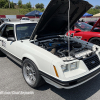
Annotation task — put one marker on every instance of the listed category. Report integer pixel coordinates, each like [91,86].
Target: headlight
[73,66]
[64,67]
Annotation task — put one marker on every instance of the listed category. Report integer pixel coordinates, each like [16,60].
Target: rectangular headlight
[64,67]
[73,66]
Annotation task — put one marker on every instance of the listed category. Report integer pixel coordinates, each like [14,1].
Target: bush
[6,5]
[25,11]
[93,11]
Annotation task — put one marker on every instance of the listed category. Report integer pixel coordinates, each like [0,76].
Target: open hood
[96,24]
[54,20]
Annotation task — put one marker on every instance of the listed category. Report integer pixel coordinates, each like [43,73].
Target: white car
[6,19]
[25,19]
[44,54]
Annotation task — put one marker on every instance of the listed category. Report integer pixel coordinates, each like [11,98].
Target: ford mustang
[44,51]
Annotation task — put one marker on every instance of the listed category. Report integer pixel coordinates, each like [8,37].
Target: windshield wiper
[27,37]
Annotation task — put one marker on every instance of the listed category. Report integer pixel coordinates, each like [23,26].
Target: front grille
[92,62]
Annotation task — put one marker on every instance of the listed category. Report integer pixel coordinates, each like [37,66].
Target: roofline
[20,22]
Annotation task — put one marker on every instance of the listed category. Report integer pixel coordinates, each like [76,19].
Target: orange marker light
[56,71]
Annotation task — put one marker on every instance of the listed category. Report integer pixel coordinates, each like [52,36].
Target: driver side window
[8,31]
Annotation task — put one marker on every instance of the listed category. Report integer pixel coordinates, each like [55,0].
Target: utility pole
[9,3]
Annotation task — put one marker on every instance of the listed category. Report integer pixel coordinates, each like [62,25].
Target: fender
[31,58]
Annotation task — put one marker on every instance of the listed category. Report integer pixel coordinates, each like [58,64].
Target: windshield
[83,26]
[27,19]
[24,31]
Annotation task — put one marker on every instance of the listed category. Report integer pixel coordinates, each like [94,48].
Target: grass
[17,11]
[9,12]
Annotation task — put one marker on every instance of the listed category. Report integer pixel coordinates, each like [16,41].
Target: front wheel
[31,74]
[95,41]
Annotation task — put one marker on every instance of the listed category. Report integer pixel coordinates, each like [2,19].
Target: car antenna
[68,30]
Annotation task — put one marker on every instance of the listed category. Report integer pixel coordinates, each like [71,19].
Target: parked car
[92,23]
[42,49]
[25,19]
[6,19]
[86,32]
[1,21]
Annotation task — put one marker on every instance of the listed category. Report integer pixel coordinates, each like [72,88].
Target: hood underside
[54,20]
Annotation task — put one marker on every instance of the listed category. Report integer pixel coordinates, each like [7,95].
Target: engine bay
[59,47]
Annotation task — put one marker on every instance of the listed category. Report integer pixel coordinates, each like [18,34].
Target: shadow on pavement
[81,92]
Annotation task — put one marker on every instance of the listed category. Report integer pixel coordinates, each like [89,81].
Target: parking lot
[11,80]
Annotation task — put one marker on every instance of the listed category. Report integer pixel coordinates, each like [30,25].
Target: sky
[45,2]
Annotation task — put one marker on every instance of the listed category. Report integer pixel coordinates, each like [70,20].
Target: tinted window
[23,18]
[27,18]
[83,26]
[24,31]
[9,30]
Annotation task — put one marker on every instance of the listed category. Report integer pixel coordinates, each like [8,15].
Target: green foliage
[93,11]
[6,5]
[24,6]
[20,3]
[97,7]
[39,9]
[28,5]
[2,3]
[11,4]
[25,11]
[39,5]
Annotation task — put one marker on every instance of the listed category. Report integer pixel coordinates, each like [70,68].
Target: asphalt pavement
[13,86]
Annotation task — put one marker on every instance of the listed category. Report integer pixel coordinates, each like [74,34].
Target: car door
[8,46]
[1,30]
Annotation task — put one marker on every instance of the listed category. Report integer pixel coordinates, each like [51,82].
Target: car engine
[59,47]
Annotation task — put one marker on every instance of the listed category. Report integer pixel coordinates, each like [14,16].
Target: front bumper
[73,83]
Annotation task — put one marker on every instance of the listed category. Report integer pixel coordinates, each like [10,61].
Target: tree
[39,5]
[2,3]
[93,11]
[6,5]
[24,6]
[28,5]
[20,3]
[12,4]
[97,7]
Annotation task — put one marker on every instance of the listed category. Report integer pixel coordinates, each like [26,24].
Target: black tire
[1,54]
[95,41]
[31,74]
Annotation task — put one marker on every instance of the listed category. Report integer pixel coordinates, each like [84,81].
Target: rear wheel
[31,74]
[95,41]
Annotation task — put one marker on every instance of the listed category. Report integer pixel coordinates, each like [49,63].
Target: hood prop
[68,31]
